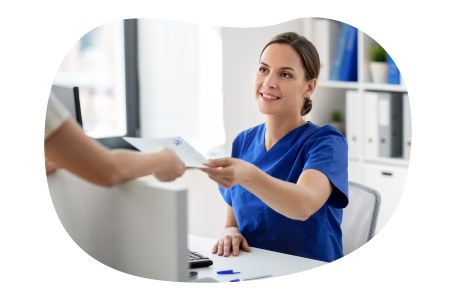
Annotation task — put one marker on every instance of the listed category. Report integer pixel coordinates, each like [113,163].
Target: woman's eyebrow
[284,68]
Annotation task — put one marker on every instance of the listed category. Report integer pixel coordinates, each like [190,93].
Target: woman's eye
[286,75]
[262,70]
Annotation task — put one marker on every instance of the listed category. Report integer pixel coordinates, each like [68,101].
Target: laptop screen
[69,97]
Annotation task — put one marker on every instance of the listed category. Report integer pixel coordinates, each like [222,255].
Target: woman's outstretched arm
[296,201]
[69,148]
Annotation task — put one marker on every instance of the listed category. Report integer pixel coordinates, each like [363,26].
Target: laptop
[69,97]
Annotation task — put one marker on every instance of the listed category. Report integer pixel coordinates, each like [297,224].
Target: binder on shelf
[336,67]
[326,37]
[346,64]
[349,69]
[390,124]
[382,122]
[425,63]
[352,128]
[371,137]
[429,126]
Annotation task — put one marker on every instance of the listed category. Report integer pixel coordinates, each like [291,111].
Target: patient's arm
[71,149]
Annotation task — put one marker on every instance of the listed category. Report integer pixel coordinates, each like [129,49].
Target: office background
[157,78]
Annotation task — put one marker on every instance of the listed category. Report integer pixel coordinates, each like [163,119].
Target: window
[98,64]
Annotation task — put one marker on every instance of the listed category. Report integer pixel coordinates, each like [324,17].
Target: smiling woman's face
[280,84]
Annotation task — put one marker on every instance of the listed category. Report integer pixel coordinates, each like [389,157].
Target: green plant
[336,116]
[378,54]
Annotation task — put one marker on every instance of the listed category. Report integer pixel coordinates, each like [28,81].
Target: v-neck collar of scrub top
[264,158]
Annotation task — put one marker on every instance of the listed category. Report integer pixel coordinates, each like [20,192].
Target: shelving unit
[418,196]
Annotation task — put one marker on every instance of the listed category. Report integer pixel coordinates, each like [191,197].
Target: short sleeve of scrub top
[56,115]
[306,147]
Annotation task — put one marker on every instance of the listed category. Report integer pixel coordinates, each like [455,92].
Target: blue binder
[336,68]
[349,70]
[345,67]
[419,62]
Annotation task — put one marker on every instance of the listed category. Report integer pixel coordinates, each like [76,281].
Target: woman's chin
[266,108]
[265,111]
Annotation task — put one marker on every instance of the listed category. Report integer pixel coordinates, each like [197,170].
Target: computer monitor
[69,97]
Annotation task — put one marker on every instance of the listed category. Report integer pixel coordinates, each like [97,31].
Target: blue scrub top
[306,147]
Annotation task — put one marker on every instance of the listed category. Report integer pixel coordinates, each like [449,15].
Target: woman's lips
[269,97]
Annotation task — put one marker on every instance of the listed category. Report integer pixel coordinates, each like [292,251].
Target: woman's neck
[277,127]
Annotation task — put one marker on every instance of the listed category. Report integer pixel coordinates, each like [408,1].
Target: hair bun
[306,106]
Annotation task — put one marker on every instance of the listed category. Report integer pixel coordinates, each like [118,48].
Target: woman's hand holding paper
[228,172]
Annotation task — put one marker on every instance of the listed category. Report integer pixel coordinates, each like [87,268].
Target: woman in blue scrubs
[286,182]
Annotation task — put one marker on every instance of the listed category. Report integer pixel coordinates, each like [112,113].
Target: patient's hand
[51,166]
[168,165]
[231,238]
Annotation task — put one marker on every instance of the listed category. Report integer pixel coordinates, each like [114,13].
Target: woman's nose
[270,81]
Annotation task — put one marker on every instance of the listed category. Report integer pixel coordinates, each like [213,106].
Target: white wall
[169,74]
[241,54]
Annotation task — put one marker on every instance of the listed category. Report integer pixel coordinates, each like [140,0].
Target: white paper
[184,150]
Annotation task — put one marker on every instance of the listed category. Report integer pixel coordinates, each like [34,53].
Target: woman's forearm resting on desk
[295,201]
[71,149]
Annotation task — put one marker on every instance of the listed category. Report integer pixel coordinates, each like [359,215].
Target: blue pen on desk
[253,278]
[227,272]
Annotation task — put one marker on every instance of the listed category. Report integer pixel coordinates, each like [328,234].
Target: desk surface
[286,268]
[255,263]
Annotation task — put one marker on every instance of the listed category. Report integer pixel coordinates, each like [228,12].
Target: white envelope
[184,150]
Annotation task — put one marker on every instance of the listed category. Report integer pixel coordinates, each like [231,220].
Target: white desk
[255,263]
[286,268]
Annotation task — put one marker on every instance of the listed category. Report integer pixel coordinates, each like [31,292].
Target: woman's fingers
[221,162]
[222,182]
[227,246]
[245,246]
[220,247]
[236,244]
[214,249]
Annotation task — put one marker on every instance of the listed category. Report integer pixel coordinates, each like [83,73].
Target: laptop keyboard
[197,260]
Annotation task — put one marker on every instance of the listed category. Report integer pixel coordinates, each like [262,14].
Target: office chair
[360,216]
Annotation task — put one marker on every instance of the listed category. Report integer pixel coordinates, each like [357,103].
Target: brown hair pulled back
[309,57]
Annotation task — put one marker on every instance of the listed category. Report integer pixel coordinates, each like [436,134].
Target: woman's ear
[311,85]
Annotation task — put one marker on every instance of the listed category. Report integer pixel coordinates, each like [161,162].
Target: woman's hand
[231,237]
[168,166]
[228,172]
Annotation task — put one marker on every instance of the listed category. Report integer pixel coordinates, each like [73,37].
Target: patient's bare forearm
[71,149]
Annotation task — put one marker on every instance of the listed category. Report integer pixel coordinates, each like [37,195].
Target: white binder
[370,118]
[407,126]
[352,105]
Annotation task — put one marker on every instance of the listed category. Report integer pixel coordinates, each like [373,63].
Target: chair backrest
[360,216]
[137,227]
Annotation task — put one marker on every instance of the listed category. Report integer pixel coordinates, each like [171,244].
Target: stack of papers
[184,150]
